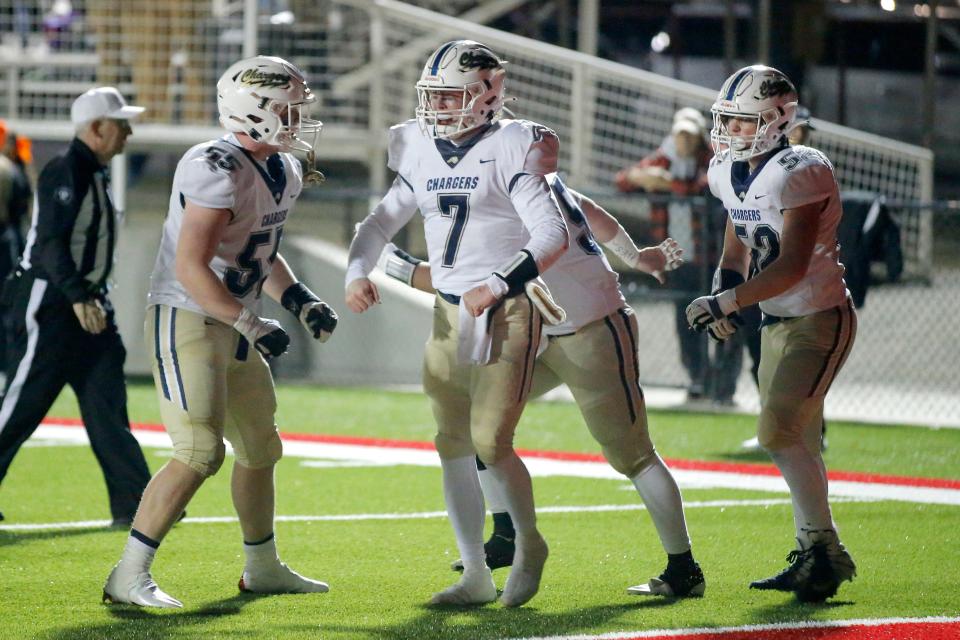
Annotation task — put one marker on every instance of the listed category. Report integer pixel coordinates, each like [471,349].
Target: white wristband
[623,247]
[728,302]
[497,285]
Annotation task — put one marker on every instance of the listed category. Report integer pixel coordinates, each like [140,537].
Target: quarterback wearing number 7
[492,226]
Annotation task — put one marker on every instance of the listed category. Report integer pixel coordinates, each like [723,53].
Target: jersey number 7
[455,206]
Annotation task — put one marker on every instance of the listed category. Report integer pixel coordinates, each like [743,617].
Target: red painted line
[888,631]
[742,468]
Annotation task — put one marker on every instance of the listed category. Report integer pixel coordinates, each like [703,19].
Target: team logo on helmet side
[257,78]
[775,87]
[478,59]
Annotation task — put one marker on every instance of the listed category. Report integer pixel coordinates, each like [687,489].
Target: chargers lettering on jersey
[274,218]
[454,182]
[746,215]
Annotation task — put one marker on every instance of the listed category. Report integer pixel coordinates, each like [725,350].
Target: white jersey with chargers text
[471,225]
[788,178]
[581,281]
[221,174]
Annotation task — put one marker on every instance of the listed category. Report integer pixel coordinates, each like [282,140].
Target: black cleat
[786,580]
[815,573]
[677,581]
[499,550]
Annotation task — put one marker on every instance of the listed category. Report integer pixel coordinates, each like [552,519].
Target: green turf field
[382,571]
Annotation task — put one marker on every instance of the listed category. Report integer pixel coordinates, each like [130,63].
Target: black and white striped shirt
[73,234]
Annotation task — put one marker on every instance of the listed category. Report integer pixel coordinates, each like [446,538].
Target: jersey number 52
[250,271]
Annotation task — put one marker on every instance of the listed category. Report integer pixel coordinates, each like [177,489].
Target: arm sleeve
[207,180]
[387,218]
[58,203]
[540,213]
[806,184]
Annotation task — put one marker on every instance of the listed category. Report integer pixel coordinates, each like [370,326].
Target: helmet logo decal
[775,87]
[478,59]
[257,78]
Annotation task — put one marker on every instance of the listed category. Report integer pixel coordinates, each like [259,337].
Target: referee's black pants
[48,349]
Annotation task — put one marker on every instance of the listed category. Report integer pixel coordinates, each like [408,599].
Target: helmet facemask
[771,127]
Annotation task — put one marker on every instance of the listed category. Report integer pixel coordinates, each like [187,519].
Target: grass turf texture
[381,572]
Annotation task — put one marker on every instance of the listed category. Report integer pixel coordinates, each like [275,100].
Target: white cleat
[677,581]
[658,587]
[524,579]
[139,589]
[473,587]
[280,579]
[751,445]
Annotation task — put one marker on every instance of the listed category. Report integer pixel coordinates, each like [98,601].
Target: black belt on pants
[449,297]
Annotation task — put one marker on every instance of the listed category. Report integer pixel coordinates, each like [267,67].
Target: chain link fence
[363,58]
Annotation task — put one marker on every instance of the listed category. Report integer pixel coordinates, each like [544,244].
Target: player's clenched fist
[706,310]
[361,295]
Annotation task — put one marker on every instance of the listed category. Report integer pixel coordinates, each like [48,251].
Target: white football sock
[261,556]
[137,557]
[806,476]
[492,495]
[513,480]
[464,499]
[661,495]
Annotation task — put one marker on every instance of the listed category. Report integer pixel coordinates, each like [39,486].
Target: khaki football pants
[211,385]
[799,359]
[477,407]
[599,364]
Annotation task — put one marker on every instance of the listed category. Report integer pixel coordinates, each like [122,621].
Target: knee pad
[206,455]
[629,457]
[779,425]
[262,454]
[450,446]
[490,451]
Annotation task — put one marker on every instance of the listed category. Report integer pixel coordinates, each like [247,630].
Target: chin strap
[313,176]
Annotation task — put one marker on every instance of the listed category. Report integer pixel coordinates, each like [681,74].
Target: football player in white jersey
[491,227]
[783,202]
[207,341]
[594,352]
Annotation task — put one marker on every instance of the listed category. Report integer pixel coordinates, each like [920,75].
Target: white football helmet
[758,92]
[474,71]
[268,99]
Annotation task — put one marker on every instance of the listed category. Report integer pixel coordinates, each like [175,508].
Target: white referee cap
[102,102]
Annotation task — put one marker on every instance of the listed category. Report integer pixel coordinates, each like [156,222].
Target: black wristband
[520,270]
[295,296]
[724,279]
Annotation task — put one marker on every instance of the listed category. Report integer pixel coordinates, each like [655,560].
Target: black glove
[316,315]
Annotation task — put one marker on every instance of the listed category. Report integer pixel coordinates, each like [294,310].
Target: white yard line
[359,454]
[422,515]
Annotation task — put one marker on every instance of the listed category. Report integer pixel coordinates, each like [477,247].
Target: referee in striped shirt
[63,329]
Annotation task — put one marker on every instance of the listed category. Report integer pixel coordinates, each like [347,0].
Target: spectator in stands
[146,36]
[16,196]
[19,150]
[679,167]
[9,247]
